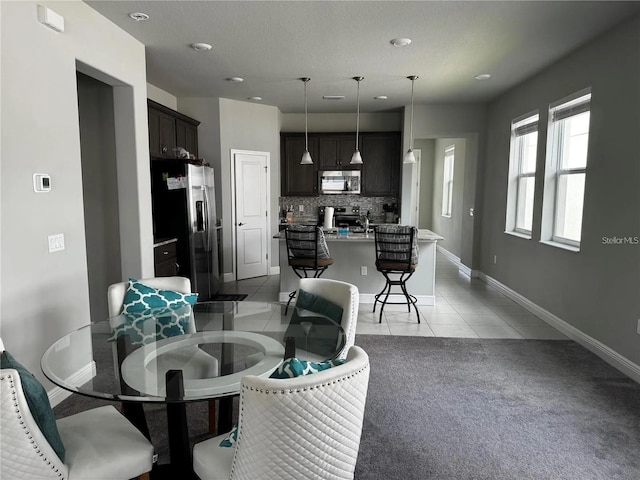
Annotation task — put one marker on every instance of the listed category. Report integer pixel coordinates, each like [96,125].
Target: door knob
[240,224]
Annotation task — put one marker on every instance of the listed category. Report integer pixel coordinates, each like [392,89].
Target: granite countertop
[424,235]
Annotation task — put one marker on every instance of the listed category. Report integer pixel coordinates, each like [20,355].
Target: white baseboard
[462,268]
[455,259]
[228,277]
[83,375]
[283,297]
[274,270]
[609,355]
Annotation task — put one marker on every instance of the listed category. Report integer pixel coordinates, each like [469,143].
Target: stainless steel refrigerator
[183,199]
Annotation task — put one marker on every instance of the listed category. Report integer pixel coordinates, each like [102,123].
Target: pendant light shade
[306,156]
[356,158]
[409,157]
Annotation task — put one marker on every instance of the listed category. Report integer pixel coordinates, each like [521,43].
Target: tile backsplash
[310,206]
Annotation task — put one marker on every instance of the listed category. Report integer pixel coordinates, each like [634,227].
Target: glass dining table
[178,355]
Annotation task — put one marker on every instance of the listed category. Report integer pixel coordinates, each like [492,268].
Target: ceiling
[271,44]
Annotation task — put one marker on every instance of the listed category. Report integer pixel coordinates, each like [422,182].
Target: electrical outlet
[638,328]
[301,208]
[495,259]
[363,270]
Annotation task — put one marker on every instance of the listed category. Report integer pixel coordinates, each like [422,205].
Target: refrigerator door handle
[200,216]
[207,247]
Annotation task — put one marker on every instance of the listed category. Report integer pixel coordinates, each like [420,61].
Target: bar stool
[397,257]
[308,252]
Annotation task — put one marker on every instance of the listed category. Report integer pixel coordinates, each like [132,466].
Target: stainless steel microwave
[336,182]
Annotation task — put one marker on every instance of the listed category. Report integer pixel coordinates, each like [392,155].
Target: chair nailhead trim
[314,387]
[14,395]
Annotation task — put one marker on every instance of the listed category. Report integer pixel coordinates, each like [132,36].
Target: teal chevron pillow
[150,314]
[38,402]
[290,368]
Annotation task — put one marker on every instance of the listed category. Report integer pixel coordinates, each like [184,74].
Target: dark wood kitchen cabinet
[335,152]
[298,180]
[166,258]
[169,129]
[381,158]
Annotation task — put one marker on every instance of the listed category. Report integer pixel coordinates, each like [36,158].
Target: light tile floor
[465,307]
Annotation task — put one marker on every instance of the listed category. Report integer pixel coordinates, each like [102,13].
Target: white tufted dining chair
[306,427]
[194,363]
[100,444]
[342,294]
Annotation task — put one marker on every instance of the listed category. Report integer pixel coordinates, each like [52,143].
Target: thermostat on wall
[41,182]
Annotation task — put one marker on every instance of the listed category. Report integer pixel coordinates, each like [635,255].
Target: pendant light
[306,156]
[409,157]
[356,158]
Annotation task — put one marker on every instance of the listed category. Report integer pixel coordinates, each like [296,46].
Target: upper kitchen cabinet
[169,129]
[298,180]
[335,151]
[381,158]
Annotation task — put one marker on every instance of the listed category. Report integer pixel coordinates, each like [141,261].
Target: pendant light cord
[306,138]
[411,131]
[357,114]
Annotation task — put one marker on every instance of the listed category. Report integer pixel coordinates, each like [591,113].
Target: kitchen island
[354,262]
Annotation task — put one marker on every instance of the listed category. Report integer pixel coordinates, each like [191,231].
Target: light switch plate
[56,242]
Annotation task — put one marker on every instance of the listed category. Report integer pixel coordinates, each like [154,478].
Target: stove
[349,216]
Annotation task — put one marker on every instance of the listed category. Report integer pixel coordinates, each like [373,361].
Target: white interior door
[251,192]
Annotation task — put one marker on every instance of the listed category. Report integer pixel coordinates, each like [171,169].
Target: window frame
[447,181]
[564,109]
[520,127]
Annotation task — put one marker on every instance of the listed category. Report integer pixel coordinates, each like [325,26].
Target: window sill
[563,246]
[519,235]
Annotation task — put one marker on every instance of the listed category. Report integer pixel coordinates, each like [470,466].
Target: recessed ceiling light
[235,79]
[139,16]
[333,97]
[400,42]
[483,76]
[201,47]
[255,99]
[381,97]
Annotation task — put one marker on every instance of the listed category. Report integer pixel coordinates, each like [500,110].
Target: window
[566,170]
[522,175]
[447,181]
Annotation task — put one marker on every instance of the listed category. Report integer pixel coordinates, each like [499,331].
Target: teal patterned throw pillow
[290,368]
[150,314]
[140,297]
[293,367]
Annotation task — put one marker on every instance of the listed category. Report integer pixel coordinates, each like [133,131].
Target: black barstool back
[396,259]
[308,252]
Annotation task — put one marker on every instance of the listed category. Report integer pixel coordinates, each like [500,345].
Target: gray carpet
[467,409]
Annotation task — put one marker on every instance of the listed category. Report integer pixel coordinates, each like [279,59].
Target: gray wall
[454,121]
[342,122]
[247,126]
[595,290]
[427,150]
[45,295]
[449,227]
[99,190]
